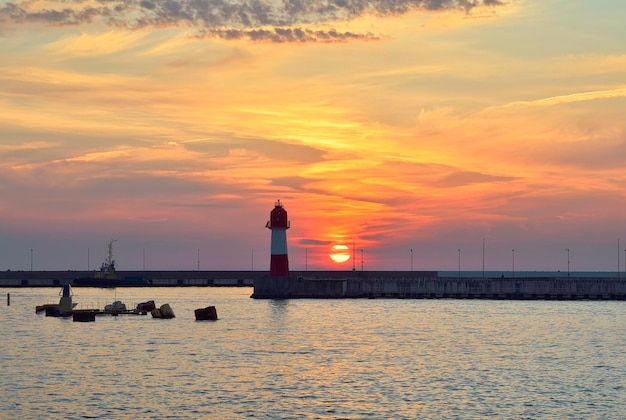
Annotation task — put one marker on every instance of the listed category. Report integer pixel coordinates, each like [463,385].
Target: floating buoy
[164,312]
[206,314]
[146,306]
[83,316]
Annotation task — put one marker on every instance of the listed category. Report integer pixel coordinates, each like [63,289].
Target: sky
[421,134]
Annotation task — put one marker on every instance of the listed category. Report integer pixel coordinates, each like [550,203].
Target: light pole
[306,259]
[513,252]
[411,259]
[361,260]
[567,249]
[483,257]
[31,259]
[459,262]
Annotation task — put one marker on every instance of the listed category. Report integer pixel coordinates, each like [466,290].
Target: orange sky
[424,128]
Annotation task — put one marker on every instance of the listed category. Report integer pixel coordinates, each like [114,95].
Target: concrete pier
[572,288]
[172,278]
[365,284]
[429,285]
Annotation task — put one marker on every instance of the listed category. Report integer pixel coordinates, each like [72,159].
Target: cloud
[462,178]
[314,242]
[281,35]
[278,150]
[95,44]
[574,97]
[256,20]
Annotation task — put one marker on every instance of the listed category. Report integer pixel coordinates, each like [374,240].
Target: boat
[108,277]
[115,307]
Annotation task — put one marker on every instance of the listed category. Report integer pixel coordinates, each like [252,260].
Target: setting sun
[339,253]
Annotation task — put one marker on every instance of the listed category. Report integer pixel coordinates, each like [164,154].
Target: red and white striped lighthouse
[278,224]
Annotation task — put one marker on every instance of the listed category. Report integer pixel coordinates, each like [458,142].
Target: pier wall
[156,278]
[269,287]
[429,285]
[489,288]
[359,284]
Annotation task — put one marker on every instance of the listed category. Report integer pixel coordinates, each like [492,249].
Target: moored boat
[108,277]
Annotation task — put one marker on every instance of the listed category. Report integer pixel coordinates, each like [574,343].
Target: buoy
[206,314]
[145,306]
[164,312]
[84,316]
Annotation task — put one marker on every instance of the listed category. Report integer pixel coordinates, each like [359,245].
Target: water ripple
[314,359]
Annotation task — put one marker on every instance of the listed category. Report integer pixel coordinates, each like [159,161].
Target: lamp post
[567,249]
[411,259]
[306,259]
[483,257]
[513,252]
[31,259]
[361,260]
[459,262]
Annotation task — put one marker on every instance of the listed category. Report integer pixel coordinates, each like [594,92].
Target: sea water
[317,359]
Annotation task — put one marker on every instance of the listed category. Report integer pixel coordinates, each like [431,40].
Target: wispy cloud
[287,35]
[574,97]
[95,44]
[256,20]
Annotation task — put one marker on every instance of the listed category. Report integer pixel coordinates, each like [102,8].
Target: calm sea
[322,359]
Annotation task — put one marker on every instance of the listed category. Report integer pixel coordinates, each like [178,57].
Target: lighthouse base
[271,287]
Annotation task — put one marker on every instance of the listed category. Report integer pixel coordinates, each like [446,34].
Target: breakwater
[362,284]
[160,278]
[425,285]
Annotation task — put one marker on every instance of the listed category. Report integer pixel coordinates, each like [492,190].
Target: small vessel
[115,307]
[108,277]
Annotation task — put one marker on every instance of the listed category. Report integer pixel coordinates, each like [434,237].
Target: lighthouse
[278,224]
[278,284]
